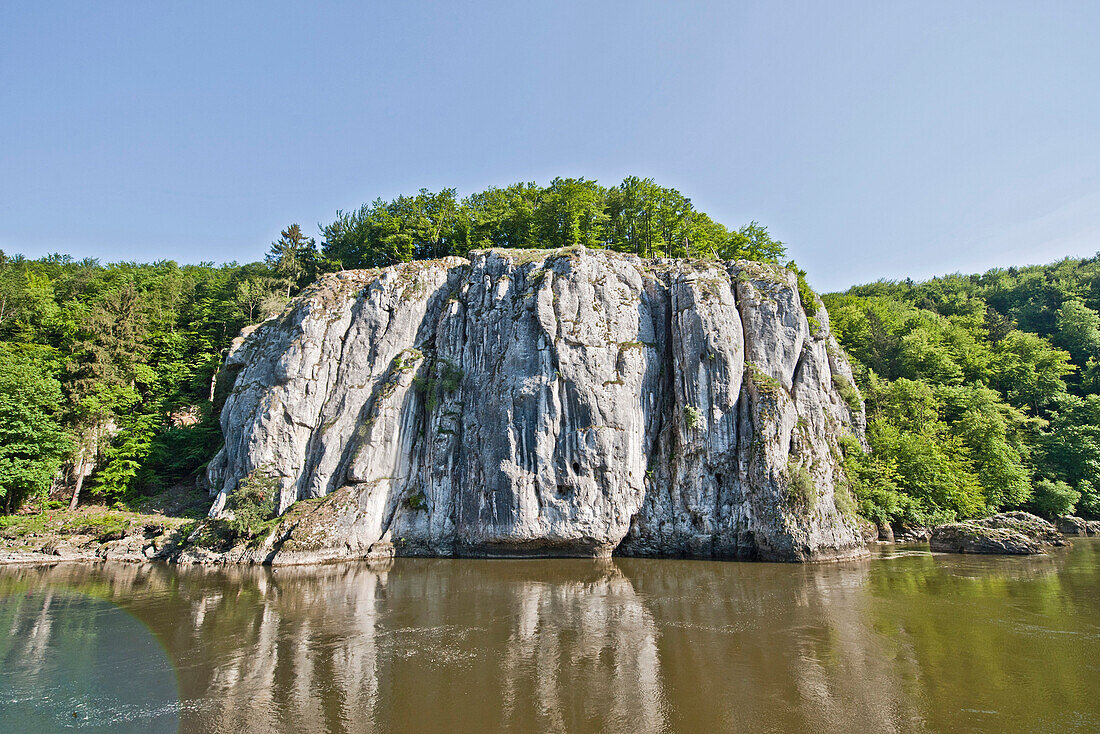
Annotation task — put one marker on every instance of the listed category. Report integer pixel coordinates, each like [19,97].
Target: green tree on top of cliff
[751,242]
[636,216]
[294,258]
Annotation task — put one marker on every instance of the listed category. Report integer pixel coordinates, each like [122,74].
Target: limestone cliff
[568,402]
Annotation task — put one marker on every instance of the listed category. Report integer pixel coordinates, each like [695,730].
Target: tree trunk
[214,381]
[80,472]
[81,466]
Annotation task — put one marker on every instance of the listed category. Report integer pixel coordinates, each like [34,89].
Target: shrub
[802,485]
[848,393]
[183,451]
[444,377]
[872,480]
[16,526]
[450,376]
[1089,505]
[805,294]
[252,504]
[1054,498]
[764,382]
[844,501]
[103,527]
[693,417]
[417,501]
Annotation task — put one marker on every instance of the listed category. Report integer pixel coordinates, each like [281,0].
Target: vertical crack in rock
[569,402]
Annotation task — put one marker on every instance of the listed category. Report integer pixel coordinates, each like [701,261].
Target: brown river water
[906,641]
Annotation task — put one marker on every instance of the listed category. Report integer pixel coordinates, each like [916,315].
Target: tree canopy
[980,389]
[636,216]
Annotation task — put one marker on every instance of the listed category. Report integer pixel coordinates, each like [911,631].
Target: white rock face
[568,402]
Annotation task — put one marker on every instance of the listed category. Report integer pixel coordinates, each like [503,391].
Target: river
[906,641]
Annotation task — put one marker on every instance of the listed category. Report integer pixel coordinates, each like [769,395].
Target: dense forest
[982,391]
[107,372]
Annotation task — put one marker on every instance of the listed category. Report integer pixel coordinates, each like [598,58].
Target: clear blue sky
[880,139]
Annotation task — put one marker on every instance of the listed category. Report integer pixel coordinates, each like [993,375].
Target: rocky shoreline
[93,536]
[1014,533]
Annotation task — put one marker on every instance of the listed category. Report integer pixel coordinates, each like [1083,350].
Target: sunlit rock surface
[568,402]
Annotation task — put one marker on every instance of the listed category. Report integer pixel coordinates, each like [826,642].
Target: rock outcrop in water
[1007,533]
[1071,525]
[569,402]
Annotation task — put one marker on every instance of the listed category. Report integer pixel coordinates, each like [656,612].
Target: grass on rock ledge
[177,508]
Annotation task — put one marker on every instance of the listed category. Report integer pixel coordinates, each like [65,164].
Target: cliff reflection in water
[902,644]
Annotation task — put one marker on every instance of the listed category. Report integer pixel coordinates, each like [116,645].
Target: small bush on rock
[802,485]
[693,417]
[252,504]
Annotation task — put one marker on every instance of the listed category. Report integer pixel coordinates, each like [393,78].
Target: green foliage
[17,526]
[981,390]
[1054,498]
[104,527]
[32,441]
[1028,371]
[932,468]
[179,451]
[993,435]
[125,457]
[295,259]
[252,505]
[764,382]
[133,350]
[805,294]
[636,216]
[951,451]
[844,501]
[1089,504]
[807,297]
[848,393]
[1077,330]
[450,376]
[873,481]
[751,242]
[802,485]
[693,417]
[443,377]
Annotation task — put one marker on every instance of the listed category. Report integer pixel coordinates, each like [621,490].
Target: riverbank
[172,527]
[151,529]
